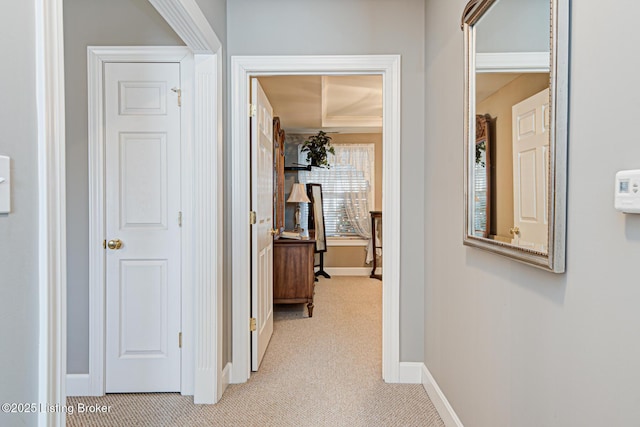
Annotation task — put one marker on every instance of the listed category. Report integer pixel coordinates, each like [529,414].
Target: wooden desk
[293,278]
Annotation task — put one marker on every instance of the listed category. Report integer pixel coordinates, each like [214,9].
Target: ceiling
[306,104]
[489,83]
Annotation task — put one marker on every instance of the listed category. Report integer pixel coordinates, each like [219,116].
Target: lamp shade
[298,194]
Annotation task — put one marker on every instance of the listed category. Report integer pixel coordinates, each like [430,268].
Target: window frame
[355,239]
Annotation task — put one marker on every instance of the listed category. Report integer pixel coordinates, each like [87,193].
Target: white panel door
[142,167]
[261,237]
[530,120]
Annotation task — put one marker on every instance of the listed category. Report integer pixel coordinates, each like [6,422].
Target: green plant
[317,147]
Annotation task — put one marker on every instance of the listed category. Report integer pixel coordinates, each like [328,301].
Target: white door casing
[202,309]
[242,69]
[51,209]
[530,125]
[142,186]
[261,237]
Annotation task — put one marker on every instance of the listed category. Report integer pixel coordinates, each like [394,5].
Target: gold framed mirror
[516,111]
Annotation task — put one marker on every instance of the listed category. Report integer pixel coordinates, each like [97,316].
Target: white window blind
[480,220]
[349,180]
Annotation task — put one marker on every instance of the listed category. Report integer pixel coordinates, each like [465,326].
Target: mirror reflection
[516,104]
[510,165]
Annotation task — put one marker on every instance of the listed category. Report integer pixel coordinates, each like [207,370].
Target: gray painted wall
[216,13]
[294,27]
[19,229]
[92,23]
[511,345]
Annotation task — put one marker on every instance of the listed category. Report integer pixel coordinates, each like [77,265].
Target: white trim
[351,271]
[188,234]
[97,57]
[337,241]
[188,21]
[410,372]
[439,400]
[340,129]
[78,385]
[96,224]
[208,209]
[242,68]
[226,375]
[348,271]
[512,62]
[52,247]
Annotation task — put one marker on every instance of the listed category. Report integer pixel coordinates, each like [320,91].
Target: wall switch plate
[628,191]
[5,184]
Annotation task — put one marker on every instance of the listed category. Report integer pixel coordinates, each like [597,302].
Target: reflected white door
[142,180]
[261,237]
[530,120]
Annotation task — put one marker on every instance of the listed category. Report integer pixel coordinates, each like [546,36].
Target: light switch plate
[5,184]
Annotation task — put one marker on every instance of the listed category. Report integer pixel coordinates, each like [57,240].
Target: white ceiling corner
[351,101]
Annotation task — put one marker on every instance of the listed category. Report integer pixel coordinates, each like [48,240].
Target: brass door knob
[273,232]
[514,230]
[114,244]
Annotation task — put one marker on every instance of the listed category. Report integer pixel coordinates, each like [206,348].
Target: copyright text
[79,408]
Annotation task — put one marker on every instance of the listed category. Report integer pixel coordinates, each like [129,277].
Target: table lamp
[298,195]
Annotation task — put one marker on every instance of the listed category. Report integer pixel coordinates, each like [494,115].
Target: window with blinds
[480,224]
[349,177]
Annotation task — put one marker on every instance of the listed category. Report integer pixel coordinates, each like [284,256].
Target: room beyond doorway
[349,110]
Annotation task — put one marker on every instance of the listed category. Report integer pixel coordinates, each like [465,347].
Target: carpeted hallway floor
[320,371]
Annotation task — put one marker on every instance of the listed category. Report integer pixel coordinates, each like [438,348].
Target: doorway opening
[387,67]
[321,214]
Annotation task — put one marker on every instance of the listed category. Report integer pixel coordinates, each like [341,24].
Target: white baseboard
[349,271]
[78,385]
[410,373]
[439,400]
[226,379]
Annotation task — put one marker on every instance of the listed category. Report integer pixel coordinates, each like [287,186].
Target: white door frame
[242,69]
[189,23]
[52,246]
[97,57]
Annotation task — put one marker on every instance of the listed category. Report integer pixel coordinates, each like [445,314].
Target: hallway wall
[511,345]
[19,229]
[356,27]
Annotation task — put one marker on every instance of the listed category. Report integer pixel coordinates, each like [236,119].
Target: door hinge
[104,244]
[252,218]
[180,219]
[179,339]
[179,92]
[252,324]
[252,110]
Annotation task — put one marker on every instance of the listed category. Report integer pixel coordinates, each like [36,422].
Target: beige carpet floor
[319,371]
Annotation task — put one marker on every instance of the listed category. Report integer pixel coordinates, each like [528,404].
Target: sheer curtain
[348,190]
